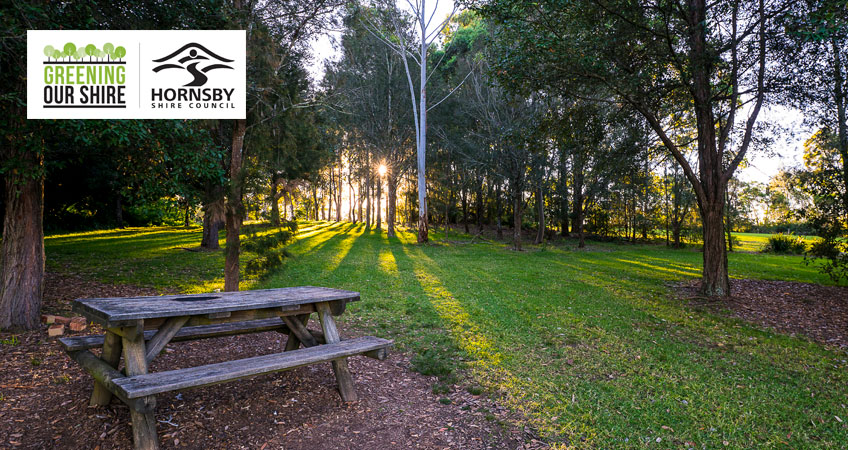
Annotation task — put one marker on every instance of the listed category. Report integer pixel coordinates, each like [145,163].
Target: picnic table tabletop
[118,309]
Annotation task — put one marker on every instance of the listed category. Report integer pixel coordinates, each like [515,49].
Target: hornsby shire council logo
[136,74]
[197,61]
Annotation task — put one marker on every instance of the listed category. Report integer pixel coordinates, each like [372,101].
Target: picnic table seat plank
[111,311]
[76,343]
[158,382]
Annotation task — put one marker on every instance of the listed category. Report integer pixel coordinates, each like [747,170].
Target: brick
[56,329]
[49,319]
[62,320]
[78,324]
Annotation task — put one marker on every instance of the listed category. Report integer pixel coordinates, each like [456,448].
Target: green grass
[586,343]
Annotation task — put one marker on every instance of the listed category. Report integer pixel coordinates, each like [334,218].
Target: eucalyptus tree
[710,58]
[415,48]
[371,81]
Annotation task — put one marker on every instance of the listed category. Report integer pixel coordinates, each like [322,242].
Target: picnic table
[141,327]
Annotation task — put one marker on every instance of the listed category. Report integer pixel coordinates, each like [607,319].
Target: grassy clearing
[585,342]
[755,242]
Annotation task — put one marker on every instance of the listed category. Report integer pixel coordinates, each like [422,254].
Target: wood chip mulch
[799,309]
[44,399]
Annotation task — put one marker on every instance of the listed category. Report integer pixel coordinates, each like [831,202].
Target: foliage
[786,243]
[269,248]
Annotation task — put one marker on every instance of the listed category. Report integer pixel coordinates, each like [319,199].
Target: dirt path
[818,312]
[44,398]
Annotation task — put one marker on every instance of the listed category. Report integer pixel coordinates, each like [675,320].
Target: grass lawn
[586,343]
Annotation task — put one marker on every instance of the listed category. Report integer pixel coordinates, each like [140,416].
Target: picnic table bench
[141,327]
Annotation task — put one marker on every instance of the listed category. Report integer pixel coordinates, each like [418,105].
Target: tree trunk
[463,193]
[540,209]
[22,272]
[379,202]
[368,189]
[715,282]
[315,201]
[187,213]
[213,219]
[842,125]
[119,211]
[516,220]
[578,200]
[339,197]
[275,201]
[391,206]
[499,211]
[479,208]
[235,208]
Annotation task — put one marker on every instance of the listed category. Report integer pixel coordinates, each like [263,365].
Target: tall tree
[659,57]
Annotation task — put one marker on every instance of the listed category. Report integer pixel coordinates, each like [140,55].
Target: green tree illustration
[120,52]
[90,50]
[57,54]
[109,49]
[79,54]
[48,51]
[70,49]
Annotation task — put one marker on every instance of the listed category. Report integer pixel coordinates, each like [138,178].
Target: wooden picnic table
[141,327]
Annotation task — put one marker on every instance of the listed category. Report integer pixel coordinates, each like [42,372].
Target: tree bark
[479,206]
[715,281]
[577,204]
[516,220]
[275,201]
[463,193]
[235,213]
[119,211]
[842,125]
[391,204]
[499,211]
[379,201]
[22,272]
[540,209]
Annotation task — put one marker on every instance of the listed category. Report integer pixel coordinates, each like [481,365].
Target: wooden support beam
[166,332]
[144,423]
[111,356]
[105,375]
[331,335]
[298,329]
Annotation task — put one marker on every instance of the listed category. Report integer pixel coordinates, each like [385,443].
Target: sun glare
[381,170]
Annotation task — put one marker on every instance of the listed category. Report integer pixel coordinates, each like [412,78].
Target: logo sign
[136,74]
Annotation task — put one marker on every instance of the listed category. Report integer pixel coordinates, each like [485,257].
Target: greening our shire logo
[198,61]
[84,76]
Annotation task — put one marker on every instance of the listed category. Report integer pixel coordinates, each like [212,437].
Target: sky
[786,152]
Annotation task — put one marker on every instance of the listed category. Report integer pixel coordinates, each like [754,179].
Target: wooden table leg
[331,335]
[144,424]
[111,355]
[166,332]
[293,343]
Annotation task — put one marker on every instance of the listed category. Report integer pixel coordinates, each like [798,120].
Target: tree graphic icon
[189,57]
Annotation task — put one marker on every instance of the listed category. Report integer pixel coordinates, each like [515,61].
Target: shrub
[785,244]
[270,249]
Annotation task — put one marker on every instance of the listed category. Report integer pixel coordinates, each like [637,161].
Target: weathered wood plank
[155,383]
[168,330]
[114,310]
[292,342]
[105,375]
[77,343]
[331,336]
[237,316]
[143,423]
[111,355]
[297,328]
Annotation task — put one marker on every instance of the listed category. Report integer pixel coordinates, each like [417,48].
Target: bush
[785,244]
[270,249]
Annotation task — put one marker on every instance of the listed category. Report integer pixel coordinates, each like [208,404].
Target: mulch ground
[799,309]
[44,399]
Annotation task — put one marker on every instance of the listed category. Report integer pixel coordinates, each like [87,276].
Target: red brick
[56,329]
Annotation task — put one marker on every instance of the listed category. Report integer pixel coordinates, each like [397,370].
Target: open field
[586,343]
